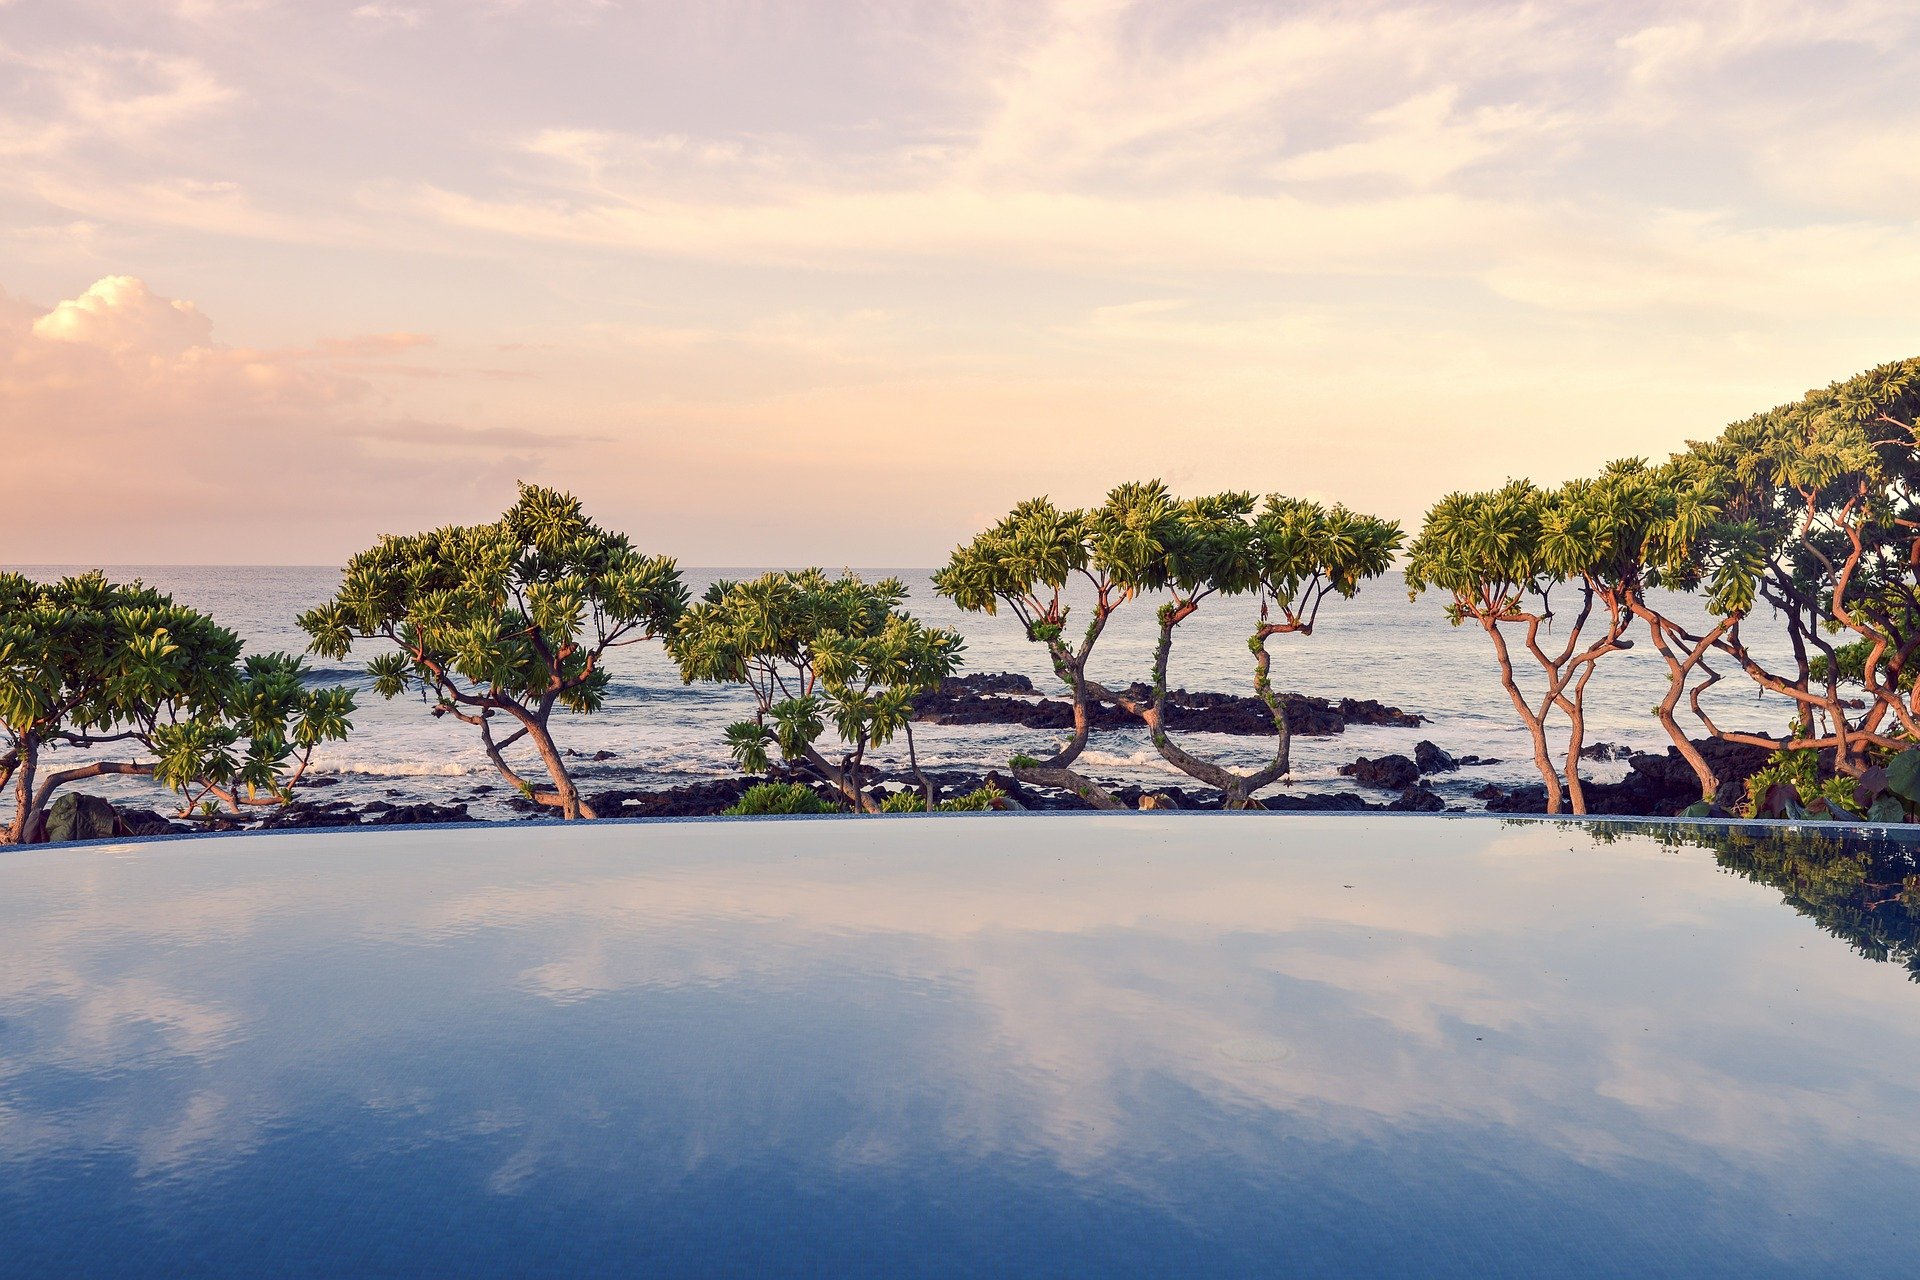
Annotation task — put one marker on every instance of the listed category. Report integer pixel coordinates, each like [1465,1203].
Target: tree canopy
[504,621]
[1291,554]
[88,664]
[815,652]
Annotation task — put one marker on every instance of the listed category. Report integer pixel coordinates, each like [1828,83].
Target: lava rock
[987,682]
[424,814]
[145,822]
[694,800]
[306,813]
[1527,799]
[1418,799]
[997,698]
[1432,759]
[1367,711]
[1336,802]
[1389,773]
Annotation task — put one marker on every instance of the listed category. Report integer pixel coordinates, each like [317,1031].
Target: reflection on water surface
[1067,1045]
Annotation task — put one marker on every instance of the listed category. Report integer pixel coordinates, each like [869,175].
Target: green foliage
[1903,775]
[1291,554]
[1023,762]
[523,608]
[1850,663]
[815,652]
[1790,786]
[770,798]
[1786,782]
[979,800]
[85,662]
[512,618]
[1630,527]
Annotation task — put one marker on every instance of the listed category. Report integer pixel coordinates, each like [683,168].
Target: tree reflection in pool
[1079,1044]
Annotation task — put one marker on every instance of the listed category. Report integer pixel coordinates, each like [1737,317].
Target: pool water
[1174,1044]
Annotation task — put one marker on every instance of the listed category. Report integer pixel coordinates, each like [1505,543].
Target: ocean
[661,732]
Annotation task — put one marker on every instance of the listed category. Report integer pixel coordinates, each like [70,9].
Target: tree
[510,620]
[87,664]
[1822,524]
[1025,563]
[1499,555]
[815,650]
[1291,555]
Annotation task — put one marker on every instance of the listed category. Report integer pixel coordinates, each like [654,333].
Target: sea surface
[662,732]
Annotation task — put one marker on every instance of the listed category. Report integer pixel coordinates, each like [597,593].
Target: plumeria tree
[147,688]
[817,652]
[500,625]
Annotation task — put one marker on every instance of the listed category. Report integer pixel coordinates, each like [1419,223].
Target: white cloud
[120,313]
[94,94]
[388,16]
[1421,142]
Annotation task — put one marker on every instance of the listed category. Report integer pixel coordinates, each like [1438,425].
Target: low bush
[977,801]
[769,798]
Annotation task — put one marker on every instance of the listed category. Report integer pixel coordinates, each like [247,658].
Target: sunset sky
[841,281]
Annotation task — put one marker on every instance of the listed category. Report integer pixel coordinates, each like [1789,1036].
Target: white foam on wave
[1149,760]
[406,769]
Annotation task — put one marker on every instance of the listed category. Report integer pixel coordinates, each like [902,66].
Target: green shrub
[1797,770]
[768,798]
[1790,786]
[977,801]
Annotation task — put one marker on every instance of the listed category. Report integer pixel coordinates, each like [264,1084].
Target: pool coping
[1907,832]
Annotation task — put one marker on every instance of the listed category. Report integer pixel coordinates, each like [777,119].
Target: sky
[842,281]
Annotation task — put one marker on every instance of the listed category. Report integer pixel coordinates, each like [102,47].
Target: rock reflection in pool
[1052,1045]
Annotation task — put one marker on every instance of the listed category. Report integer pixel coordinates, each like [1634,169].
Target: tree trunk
[23,828]
[1075,675]
[1542,757]
[845,780]
[1679,672]
[927,789]
[564,796]
[1067,780]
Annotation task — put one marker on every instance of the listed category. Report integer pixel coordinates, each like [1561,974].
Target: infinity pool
[973,1045]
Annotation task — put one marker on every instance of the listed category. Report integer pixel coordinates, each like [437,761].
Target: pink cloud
[139,436]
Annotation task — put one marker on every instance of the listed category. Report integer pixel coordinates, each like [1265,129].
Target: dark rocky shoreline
[1008,699]
[1655,785]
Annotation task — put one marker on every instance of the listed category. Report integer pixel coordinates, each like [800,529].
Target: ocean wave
[1148,760]
[405,769]
[332,675]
